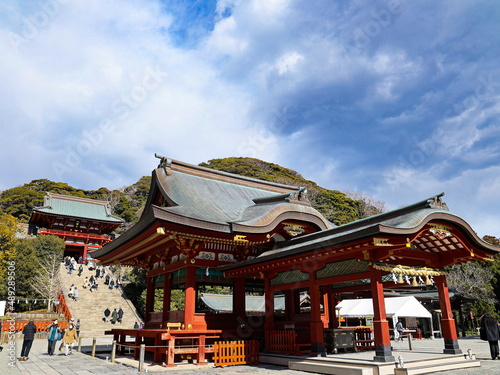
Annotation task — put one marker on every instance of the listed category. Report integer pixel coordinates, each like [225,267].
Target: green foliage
[49,245]
[136,289]
[8,229]
[333,204]
[125,210]
[177,300]
[20,201]
[26,266]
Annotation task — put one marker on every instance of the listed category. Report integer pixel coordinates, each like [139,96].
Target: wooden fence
[278,341]
[229,353]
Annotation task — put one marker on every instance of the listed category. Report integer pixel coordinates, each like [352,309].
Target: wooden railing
[278,341]
[285,341]
[18,325]
[363,339]
[229,353]
[62,308]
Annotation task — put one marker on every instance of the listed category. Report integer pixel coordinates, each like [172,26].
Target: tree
[46,281]
[8,230]
[472,280]
[26,267]
[368,206]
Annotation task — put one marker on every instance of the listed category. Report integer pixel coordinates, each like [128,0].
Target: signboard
[369,321]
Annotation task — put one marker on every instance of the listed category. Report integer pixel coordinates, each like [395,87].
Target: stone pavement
[40,363]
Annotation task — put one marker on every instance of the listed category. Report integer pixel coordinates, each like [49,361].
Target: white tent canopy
[394,306]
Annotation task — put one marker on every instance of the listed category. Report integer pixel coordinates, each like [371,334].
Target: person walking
[107,313]
[53,336]
[80,270]
[29,335]
[69,338]
[490,332]
[114,316]
[120,315]
[77,327]
[399,330]
[75,294]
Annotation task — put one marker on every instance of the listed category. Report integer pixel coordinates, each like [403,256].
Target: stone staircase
[91,305]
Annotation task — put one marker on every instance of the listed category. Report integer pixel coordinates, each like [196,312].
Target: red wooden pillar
[269,306]
[329,307]
[150,297]
[383,351]
[84,256]
[190,297]
[239,303]
[317,341]
[167,293]
[290,305]
[447,322]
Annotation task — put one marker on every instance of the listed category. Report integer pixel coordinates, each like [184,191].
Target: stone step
[329,368]
[91,305]
[437,367]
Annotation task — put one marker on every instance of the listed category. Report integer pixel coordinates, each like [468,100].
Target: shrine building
[203,228]
[84,224]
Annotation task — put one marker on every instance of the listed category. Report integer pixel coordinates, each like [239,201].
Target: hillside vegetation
[128,202]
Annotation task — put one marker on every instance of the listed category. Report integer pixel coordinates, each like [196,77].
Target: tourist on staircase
[114,316]
[107,313]
[120,315]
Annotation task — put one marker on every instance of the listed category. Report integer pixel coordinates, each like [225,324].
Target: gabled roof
[226,201]
[403,221]
[65,205]
[210,201]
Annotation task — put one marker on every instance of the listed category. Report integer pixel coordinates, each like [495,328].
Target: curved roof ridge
[169,164]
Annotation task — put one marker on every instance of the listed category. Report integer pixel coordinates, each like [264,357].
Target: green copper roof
[65,205]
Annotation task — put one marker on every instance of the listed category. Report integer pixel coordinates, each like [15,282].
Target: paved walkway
[40,363]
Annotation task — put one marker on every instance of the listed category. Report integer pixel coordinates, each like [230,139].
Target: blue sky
[398,100]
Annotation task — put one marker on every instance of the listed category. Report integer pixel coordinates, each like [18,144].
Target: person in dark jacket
[490,332]
[120,315]
[29,335]
[107,313]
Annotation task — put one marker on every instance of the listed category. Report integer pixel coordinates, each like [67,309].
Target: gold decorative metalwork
[240,238]
[381,242]
[294,229]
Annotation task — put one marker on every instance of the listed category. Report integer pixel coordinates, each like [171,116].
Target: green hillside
[128,202]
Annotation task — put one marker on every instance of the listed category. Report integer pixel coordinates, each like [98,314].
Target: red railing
[278,341]
[66,233]
[62,308]
[9,325]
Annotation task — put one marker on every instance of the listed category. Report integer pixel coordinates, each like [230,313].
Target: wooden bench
[177,325]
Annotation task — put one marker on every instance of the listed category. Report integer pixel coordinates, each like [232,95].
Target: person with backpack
[53,336]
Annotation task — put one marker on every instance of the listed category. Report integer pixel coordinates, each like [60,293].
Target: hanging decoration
[410,271]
